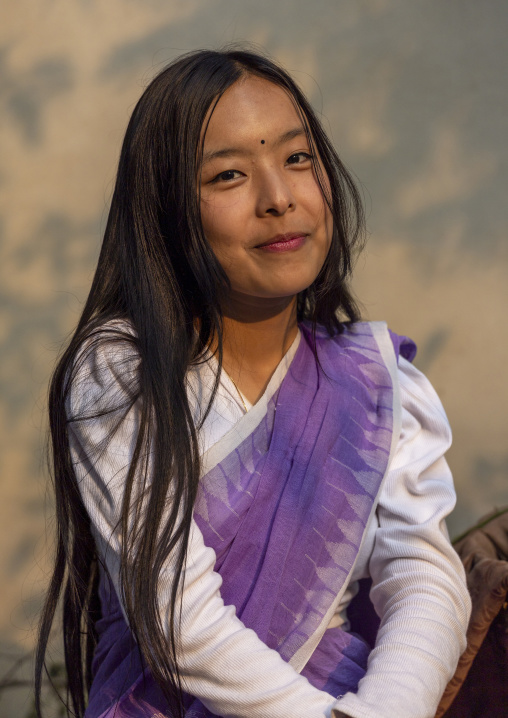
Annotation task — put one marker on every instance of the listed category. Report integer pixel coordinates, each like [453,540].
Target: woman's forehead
[252,108]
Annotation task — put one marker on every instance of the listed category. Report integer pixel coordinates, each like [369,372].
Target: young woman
[233,449]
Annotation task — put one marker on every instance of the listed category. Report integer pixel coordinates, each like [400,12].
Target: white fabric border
[385,345]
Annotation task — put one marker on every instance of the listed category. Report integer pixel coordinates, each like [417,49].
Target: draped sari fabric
[285,508]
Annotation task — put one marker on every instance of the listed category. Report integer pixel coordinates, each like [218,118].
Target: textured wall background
[414,95]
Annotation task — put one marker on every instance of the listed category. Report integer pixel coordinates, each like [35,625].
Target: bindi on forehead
[262,142]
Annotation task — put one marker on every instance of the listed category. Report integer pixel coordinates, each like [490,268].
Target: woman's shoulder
[107,344]
[368,336]
[418,395]
[416,388]
[105,367]
[368,344]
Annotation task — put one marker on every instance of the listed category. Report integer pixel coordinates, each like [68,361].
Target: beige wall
[415,97]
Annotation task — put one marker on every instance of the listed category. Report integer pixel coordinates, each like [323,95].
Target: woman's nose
[275,195]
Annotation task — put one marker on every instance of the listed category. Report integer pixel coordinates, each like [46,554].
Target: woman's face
[262,209]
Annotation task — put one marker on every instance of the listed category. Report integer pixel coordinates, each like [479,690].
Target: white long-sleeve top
[418,581]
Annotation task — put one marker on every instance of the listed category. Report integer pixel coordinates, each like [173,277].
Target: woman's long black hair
[157,273]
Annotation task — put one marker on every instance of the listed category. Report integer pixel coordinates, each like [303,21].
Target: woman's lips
[283,242]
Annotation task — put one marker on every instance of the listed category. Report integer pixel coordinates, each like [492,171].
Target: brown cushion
[485,688]
[484,553]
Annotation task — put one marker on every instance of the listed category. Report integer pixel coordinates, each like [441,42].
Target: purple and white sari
[285,500]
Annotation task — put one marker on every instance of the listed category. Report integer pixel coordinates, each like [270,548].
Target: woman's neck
[257,334]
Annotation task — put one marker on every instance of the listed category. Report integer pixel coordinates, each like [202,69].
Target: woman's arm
[419,586]
[222,662]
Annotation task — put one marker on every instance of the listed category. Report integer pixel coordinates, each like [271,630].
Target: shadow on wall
[25,95]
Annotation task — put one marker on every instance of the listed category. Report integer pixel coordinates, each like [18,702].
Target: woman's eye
[227,176]
[299,158]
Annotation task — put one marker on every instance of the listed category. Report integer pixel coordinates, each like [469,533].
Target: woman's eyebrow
[231,151]
[226,152]
[290,135]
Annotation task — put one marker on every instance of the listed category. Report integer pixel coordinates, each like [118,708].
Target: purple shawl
[286,511]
